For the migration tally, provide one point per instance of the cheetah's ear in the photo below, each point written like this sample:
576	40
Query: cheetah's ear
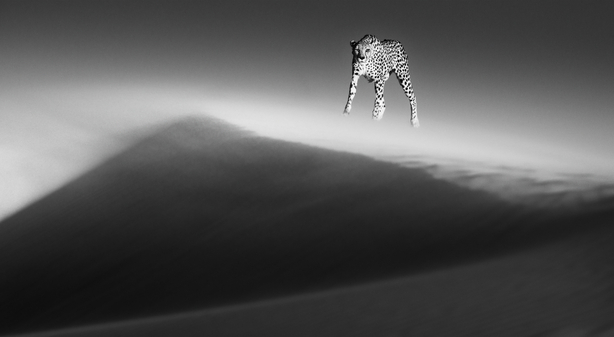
353	43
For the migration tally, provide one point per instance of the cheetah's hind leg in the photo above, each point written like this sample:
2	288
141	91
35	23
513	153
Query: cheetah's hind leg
408	89
380	104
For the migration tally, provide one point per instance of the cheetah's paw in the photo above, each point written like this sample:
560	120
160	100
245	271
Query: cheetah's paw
378	113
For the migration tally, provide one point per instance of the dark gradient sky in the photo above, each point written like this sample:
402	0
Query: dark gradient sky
525	83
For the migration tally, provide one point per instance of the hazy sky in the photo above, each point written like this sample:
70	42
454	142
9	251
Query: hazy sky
526	83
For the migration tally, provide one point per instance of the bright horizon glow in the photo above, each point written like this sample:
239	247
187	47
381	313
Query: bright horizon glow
358	133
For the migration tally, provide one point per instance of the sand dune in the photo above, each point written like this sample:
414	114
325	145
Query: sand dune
556	290
247	235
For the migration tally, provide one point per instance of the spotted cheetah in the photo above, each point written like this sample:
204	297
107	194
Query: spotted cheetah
376	60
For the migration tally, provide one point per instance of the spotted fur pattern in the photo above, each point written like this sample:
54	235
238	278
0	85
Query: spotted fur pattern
376	60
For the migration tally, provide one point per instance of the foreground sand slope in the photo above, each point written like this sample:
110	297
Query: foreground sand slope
201	215
562	289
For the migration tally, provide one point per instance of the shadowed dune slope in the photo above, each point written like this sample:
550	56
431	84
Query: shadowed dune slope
201	214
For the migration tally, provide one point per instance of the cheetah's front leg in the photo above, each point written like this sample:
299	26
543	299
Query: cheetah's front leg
380	105
353	85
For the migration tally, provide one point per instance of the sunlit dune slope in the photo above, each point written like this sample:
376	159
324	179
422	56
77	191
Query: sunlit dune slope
201	214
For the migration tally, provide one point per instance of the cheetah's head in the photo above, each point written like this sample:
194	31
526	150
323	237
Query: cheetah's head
364	48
